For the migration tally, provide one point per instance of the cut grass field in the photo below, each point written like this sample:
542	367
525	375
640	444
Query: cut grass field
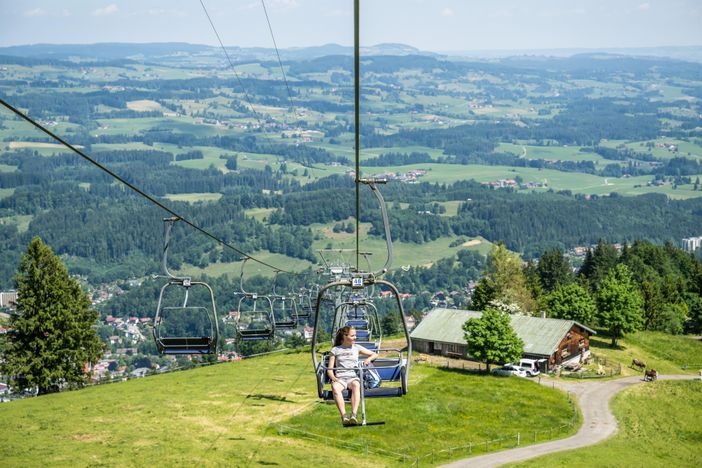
194	197
233	269
659	426
230	415
404	253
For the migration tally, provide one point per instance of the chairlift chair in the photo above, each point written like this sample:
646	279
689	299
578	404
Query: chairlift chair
255	320
285	312
184	328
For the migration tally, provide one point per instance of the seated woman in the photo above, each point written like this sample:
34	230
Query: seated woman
344	357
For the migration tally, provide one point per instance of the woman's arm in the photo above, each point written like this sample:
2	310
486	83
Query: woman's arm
330	371
367	352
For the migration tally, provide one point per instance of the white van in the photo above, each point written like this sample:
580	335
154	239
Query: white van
532	366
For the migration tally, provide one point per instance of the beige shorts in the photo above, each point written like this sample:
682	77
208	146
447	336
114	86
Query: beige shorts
345	381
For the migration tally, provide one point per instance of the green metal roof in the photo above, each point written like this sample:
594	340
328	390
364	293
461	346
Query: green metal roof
541	336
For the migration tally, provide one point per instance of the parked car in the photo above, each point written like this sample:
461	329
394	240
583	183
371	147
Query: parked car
509	369
532	366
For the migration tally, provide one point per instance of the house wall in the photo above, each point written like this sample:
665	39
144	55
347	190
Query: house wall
439	348
575	343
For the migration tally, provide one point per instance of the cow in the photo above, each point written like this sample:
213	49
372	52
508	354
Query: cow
650	375
640	364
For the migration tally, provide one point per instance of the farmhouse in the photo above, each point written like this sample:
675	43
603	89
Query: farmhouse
558	341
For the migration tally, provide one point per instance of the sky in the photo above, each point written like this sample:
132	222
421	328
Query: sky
432	25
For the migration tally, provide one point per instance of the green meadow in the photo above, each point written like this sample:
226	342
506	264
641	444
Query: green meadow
265	411
648	434
668	354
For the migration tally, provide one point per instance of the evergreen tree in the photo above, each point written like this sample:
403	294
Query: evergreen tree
554	270
571	302
619	303
491	338
598	263
51	339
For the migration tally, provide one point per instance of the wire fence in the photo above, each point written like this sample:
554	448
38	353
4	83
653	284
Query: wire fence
605	368
436	455
500	443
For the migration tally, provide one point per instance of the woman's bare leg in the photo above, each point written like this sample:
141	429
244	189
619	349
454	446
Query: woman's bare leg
337	391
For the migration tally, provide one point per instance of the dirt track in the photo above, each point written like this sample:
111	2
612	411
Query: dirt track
598	421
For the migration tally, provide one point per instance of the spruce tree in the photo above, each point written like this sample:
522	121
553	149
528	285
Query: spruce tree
51	339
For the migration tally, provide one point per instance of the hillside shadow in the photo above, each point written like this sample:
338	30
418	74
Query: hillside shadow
263	396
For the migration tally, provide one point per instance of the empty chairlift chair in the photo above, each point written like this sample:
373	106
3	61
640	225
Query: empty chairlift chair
179	326
255	320
285	312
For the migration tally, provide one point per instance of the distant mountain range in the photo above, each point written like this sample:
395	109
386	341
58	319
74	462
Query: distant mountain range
161	51
149	51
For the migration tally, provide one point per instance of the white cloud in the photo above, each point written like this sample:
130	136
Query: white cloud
164	12
447	12
36	12
110	9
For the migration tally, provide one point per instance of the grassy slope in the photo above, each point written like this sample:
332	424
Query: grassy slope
665	353
648	435
221	415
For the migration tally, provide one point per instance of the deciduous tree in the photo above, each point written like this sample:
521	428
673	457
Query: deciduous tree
504	281
571	302
619	303
491	338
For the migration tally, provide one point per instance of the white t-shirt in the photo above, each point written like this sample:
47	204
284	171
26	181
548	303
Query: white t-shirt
346	357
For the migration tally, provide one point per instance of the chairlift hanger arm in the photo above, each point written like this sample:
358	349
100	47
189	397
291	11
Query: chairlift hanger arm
167	227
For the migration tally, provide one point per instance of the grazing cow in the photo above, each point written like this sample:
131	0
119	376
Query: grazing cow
650	375
640	364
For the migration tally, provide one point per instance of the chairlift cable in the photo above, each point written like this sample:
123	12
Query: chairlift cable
280	62
231	64
135	188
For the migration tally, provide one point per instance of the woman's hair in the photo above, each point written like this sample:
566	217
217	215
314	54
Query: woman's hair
339	338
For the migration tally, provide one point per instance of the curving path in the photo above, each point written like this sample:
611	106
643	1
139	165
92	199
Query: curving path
598	421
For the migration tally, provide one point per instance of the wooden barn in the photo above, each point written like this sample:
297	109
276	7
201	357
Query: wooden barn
558	341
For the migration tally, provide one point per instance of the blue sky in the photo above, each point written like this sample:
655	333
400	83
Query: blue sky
438	25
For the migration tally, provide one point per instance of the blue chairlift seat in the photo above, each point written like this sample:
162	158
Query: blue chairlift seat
362	324
369	345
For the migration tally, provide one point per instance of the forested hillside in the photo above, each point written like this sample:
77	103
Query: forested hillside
542	153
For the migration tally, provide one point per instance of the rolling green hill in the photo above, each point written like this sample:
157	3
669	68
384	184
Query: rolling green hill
264	411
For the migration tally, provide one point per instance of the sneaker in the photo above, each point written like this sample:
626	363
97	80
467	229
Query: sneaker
345	421
353	420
